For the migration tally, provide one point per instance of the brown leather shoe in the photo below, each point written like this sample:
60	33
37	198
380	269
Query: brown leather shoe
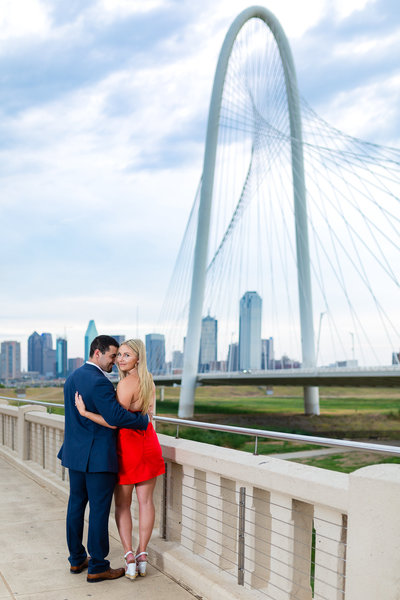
81	567
109	574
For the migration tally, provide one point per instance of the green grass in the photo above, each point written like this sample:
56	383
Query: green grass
233	400
349	462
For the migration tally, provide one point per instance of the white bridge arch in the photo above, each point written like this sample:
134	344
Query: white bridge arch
191	355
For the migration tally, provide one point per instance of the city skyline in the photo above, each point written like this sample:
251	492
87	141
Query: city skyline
104	114
51	363
256	352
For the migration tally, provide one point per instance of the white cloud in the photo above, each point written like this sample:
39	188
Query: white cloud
19	18
367	45
127	7
368	111
344	8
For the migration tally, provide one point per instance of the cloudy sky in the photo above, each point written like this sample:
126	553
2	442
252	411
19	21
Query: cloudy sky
103	109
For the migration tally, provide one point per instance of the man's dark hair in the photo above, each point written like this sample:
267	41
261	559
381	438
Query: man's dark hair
102	343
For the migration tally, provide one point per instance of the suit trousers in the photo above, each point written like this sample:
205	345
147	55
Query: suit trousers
97	489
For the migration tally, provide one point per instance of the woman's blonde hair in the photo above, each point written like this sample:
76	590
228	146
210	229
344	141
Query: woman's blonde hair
146	384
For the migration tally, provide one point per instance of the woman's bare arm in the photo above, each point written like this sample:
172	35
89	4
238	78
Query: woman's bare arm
96	418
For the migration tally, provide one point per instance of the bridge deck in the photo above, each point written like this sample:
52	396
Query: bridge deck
33	551
357	377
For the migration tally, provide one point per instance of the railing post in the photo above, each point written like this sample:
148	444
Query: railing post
164	504
43	446
241	532
373	549
23	429
256	446
302	521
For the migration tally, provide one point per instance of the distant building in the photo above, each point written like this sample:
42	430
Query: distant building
250	331
286	363
208	343
49	362
233	357
347	363
177	360
91	333
218	365
74	363
41	356
267	354
61	357
155	353
10	360
35	361
48	356
47	340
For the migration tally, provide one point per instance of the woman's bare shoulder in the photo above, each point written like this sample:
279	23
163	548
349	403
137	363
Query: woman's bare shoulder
130	382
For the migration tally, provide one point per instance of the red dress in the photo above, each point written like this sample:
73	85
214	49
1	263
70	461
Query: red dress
139	455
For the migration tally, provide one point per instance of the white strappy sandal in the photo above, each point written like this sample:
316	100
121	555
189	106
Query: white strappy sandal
130	568
141	565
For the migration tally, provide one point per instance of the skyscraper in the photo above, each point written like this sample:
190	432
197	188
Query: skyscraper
41	355
267	354
47	340
177	360
233	357
61	357
48	355
208	343
35	361
155	353
10	360
91	333
250	331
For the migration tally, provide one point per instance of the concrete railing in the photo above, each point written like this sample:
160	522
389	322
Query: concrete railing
234	525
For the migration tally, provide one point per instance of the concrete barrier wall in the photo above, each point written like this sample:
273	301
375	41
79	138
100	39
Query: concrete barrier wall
234	525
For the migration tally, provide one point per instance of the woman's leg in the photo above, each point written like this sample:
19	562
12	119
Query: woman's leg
123	517
144	492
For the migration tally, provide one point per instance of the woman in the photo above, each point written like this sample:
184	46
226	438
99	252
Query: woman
139	453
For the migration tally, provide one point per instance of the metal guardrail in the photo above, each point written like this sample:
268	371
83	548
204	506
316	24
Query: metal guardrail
27	401
256	433
291	437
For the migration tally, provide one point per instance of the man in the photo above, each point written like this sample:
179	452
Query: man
89	452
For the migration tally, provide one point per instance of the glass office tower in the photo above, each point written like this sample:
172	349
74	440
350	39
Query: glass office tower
250	331
91	333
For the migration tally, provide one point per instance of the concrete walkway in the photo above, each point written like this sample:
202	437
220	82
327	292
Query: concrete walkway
33	552
312	453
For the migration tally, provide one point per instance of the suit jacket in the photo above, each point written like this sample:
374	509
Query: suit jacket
88	446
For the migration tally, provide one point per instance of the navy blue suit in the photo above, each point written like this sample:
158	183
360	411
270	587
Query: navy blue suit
89	452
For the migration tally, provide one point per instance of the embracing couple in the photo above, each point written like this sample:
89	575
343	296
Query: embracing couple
110	447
